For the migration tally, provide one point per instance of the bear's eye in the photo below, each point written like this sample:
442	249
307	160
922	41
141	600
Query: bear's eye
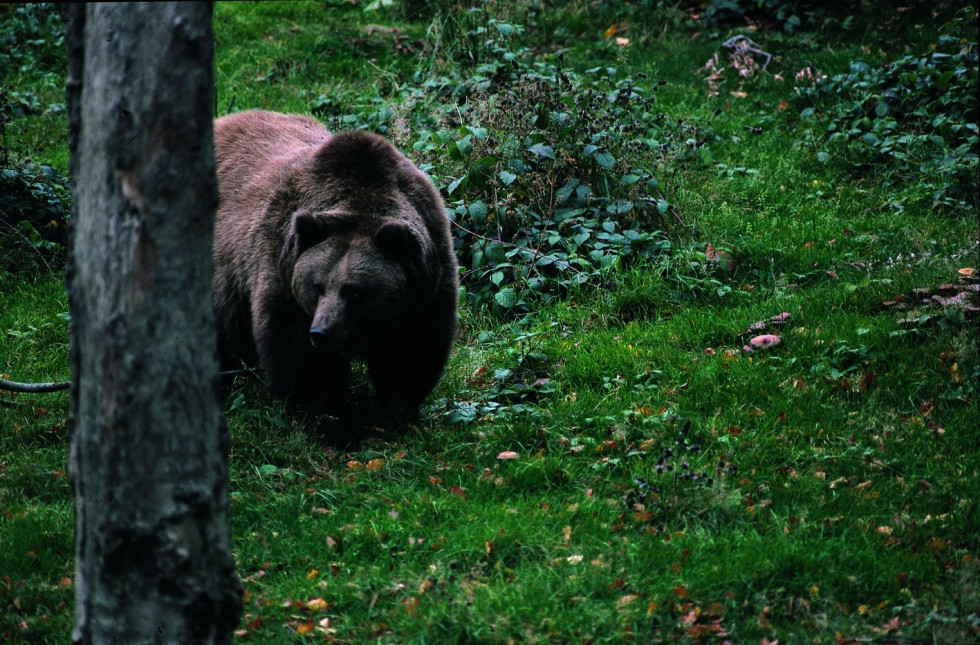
351	293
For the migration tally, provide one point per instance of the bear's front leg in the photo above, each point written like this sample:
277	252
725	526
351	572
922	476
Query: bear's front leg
405	372
305	377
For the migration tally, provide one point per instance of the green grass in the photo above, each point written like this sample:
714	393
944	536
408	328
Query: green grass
669	486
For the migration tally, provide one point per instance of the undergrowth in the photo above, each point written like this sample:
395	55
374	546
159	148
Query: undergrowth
912	122
717	368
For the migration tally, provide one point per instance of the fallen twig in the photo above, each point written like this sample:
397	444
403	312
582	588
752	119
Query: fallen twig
13	386
58	386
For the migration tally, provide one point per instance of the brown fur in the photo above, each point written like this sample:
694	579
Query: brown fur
338	234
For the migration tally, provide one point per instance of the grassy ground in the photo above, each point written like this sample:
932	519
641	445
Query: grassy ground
668	484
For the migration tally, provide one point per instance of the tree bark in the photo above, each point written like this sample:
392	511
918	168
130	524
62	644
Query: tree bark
149	443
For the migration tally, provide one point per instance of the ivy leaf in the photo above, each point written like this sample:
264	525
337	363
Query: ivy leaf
506	297
455	184
542	150
478	211
605	159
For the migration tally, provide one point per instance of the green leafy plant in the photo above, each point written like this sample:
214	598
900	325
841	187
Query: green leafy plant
511	389
36	199
556	178
912	121
31	36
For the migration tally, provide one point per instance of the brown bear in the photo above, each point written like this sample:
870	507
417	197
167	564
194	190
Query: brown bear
330	248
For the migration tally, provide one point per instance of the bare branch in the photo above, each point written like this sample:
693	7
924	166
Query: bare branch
13	386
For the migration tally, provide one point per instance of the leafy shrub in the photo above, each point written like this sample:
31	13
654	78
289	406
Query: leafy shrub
508	391
36	200
31	37
790	15
793	16
554	178
912	121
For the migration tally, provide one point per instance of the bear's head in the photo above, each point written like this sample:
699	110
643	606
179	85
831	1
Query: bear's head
353	285
357	253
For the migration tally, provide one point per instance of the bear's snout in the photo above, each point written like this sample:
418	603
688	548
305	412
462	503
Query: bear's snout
321	339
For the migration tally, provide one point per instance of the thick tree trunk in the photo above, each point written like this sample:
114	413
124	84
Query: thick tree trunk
149	443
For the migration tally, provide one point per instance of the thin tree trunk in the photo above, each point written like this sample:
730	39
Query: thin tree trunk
149	443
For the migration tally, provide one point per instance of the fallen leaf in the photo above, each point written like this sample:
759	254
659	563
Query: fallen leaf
702	631
507	454
574	559
324	626
375	464
316	604
411	605
627	599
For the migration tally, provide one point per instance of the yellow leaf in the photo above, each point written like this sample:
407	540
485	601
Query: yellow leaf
316	604
312	574
627	599
375	464
354	464
608	33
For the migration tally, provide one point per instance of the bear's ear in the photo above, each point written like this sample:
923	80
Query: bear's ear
398	240
305	230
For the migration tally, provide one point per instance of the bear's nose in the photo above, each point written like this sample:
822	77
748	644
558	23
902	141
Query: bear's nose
319	338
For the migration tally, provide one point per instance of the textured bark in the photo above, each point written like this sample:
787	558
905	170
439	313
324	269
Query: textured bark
149	443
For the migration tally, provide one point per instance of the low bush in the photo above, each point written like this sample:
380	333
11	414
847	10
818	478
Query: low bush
912	122
555	178
35	202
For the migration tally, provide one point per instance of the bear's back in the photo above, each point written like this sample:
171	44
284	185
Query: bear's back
256	145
